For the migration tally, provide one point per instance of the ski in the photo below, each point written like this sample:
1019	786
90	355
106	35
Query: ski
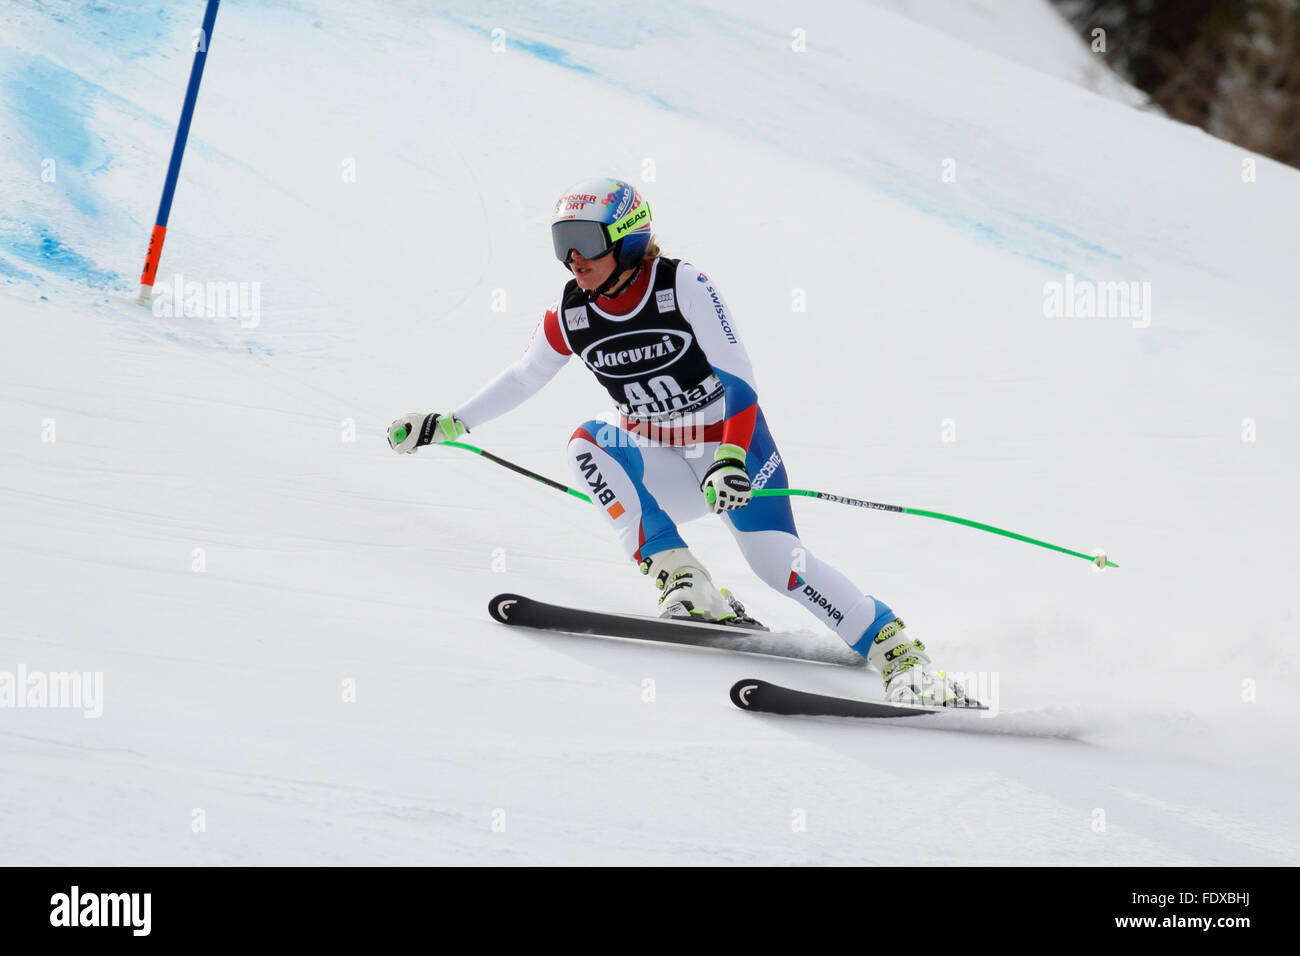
519	611
1063	722
762	697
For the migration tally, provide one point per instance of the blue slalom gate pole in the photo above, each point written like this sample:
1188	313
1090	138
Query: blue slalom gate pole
154	253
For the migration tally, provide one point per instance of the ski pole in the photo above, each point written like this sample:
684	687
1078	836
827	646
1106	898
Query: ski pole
1096	559
1100	560
154	253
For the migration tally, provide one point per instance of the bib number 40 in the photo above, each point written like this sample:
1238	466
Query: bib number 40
664	388
664	394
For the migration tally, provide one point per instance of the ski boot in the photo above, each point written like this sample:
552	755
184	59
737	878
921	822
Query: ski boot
687	590
906	668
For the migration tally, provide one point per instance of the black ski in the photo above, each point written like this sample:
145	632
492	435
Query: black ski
519	611
762	697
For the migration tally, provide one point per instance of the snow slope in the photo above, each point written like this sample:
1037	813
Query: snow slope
1030	32
331	568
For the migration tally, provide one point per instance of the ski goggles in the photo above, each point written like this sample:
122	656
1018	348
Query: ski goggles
591	240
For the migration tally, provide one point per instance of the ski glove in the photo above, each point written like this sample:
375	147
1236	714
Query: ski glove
416	429
726	483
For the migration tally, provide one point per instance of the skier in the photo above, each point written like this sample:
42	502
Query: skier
689	438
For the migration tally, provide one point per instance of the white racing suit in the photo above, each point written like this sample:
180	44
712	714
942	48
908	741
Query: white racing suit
668	351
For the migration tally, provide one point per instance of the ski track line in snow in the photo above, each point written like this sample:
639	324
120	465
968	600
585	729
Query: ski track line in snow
1274	840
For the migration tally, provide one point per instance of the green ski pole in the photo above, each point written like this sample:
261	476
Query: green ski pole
1100	560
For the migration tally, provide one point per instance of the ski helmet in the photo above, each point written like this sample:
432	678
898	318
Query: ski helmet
600	216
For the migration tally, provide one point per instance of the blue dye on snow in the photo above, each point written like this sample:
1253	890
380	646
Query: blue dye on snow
558	56
51	106
10	271
42	248
551	54
130	28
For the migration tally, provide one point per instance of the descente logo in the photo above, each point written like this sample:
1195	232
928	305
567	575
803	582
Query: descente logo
103	909
767	471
